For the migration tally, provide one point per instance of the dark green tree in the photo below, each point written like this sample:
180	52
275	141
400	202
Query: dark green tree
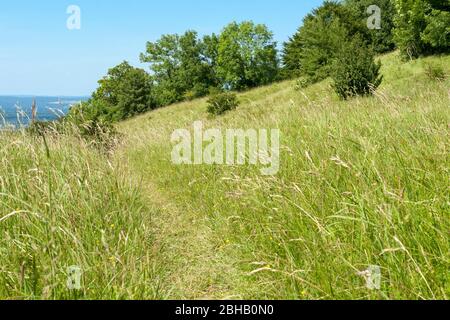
442	5
355	71
182	66
292	54
437	32
311	50
409	25
124	92
247	56
381	39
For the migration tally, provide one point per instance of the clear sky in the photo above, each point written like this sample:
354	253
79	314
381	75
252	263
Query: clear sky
39	55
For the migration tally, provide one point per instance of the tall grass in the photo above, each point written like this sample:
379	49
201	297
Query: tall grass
362	183
62	204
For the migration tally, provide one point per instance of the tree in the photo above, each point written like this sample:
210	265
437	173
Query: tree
210	52
311	50
420	29
247	56
182	66
381	39
292	53
437	31
124	92
442	5
355	71
410	23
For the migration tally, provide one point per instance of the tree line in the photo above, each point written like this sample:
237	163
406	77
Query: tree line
333	41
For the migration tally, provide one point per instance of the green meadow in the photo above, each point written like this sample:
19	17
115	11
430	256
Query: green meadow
362	182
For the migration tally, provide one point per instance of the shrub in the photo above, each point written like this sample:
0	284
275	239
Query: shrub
219	103
86	120
39	128
302	83
435	72
355	71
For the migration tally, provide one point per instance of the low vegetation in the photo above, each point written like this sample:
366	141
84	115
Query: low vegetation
62	204
363	180
355	71
220	103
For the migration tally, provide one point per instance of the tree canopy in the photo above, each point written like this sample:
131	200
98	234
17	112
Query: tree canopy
124	92
181	66
422	27
244	55
382	39
247	56
311	50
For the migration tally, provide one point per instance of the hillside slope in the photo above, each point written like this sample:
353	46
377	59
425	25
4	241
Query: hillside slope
362	182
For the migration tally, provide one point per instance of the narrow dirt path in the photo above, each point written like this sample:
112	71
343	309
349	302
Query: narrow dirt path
183	240
192	264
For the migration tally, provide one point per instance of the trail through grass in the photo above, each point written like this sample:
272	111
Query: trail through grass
362	182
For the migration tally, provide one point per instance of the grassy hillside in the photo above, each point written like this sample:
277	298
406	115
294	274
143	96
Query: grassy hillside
66	207
362	182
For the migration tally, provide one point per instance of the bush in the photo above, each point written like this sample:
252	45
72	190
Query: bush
302	83
39	128
86	121
355	71
435	72
219	103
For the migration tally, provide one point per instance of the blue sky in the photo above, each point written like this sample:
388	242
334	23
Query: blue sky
40	56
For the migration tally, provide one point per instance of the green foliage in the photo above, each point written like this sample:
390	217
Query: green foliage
437	32
220	103
247	56
185	67
355	71
382	39
291	57
443	5
435	72
89	120
420	29
124	92
182	66
410	23
312	49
